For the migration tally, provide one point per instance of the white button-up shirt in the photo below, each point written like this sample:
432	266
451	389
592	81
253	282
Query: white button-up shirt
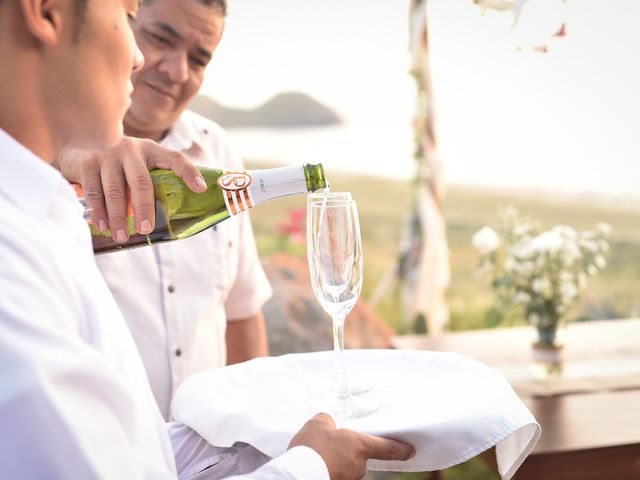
74	398
177	296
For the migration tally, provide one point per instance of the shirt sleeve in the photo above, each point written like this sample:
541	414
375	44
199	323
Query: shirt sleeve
299	463
196	459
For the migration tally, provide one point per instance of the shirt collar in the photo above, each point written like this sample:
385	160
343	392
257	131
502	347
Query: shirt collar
27	180
183	135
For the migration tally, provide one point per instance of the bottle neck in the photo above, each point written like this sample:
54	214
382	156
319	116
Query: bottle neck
273	183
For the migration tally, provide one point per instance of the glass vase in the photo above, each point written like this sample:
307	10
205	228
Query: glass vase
547	352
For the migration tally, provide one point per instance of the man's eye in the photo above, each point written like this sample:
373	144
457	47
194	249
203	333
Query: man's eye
196	61
159	38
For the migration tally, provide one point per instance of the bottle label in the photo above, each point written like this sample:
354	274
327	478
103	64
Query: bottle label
235	188
277	182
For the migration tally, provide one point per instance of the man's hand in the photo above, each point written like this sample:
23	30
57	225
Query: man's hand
345	452
106	177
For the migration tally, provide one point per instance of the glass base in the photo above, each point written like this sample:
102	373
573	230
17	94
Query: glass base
355	388
342	408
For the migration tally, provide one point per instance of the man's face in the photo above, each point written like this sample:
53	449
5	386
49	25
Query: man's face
91	70
177	39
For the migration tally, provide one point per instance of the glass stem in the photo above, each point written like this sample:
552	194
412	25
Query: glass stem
342	387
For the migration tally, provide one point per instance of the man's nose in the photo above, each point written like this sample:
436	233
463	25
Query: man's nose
176	66
138	58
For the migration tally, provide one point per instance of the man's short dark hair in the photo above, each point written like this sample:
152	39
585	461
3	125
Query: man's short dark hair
221	4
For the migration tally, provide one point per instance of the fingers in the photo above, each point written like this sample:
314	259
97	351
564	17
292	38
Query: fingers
91	183
115	194
140	186
107	176
159	157
83	167
325	420
380	448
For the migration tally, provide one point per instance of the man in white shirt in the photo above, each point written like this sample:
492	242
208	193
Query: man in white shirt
74	398
198	302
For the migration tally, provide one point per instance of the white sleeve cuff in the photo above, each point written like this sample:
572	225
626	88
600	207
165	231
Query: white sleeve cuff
299	463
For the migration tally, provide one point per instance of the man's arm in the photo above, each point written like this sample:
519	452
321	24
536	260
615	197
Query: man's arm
246	339
319	451
108	177
64	410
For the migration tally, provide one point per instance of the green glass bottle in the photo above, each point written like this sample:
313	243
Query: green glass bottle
181	213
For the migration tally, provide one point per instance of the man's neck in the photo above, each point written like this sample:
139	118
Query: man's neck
20	117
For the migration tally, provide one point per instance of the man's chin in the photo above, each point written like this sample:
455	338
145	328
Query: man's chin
146	128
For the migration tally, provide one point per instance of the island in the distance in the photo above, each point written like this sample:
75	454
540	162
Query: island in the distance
285	110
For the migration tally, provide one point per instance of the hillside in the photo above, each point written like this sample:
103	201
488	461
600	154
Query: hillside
285	110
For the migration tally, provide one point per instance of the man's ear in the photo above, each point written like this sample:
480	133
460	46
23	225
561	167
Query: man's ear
43	19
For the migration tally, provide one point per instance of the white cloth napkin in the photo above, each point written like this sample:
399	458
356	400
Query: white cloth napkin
449	406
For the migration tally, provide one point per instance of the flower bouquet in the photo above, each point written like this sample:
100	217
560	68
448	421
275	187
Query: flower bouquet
541	272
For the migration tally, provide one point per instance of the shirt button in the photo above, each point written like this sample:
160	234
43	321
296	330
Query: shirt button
171	289
178	352
230	244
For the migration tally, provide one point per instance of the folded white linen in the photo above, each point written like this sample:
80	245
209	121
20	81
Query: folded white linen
449	406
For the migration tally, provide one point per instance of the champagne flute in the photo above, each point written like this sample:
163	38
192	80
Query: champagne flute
334	252
357	387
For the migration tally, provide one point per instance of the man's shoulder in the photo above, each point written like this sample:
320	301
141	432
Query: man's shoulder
17	227
25	248
202	124
212	138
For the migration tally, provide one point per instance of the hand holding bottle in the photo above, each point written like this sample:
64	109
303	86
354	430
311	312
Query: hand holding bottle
181	213
110	177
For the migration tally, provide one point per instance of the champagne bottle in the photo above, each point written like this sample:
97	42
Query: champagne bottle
181	213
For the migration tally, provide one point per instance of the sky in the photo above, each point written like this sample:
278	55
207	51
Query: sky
350	54
567	119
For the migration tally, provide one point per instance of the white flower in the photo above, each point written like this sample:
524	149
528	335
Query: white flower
591	245
486	240
548	242
522	298
510	264
565	276
565	231
542	286
570	255
600	261
604	228
538	270
568	291
520	230
523	250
